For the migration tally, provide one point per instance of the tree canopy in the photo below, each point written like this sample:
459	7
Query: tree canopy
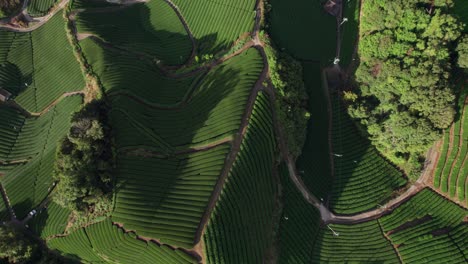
8	7
405	97
462	50
286	77
85	162
15	247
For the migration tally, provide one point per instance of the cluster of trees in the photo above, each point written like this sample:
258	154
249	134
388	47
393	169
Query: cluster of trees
8	7
85	160
18	247
291	104
405	97
462	50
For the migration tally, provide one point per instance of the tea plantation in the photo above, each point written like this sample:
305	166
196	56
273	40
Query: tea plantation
159	131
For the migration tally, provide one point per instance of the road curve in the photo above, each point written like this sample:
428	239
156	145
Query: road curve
39	21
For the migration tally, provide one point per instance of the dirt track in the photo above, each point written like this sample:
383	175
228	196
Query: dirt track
38	21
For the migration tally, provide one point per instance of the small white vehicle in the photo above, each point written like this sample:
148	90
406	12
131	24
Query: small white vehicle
32	213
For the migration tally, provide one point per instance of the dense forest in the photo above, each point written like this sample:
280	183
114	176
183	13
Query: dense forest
405	77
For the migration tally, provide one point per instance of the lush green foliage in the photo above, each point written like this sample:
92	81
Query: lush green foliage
15	247
34	146
217	24
428	227
303	29
303	240
405	98
314	163
362	178
152	28
165	197
240	227
85	161
462	50
40	7
286	77
104	243
36	70
300	224
50	221
451	173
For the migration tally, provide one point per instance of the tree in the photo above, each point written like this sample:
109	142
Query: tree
85	161
462	51
15	247
405	98
286	77
8	7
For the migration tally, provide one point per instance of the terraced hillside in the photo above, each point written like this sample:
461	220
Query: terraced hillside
363	179
152	28
289	19
428	227
149	84
35	70
29	163
217	24
104	242
51	221
201	172
299	226
240	226
451	174
165	198
40	7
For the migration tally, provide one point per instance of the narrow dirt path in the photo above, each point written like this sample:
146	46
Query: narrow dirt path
326	215
187	28
38	21
18	107
13	162
395	248
6	200
141	151
234	150
310	198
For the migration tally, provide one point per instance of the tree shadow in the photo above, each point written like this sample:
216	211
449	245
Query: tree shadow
208	115
317	174
38	222
132	28
22	208
13	80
